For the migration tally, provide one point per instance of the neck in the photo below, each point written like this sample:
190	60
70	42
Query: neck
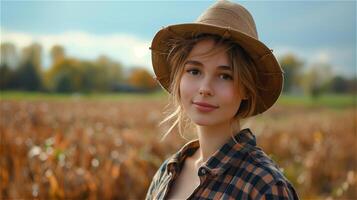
211	139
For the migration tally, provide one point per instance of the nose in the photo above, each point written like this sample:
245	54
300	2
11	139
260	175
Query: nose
205	88
205	93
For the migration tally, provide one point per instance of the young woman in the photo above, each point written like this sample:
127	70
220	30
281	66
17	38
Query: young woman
217	73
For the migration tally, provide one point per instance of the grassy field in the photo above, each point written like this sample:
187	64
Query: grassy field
22	95
325	100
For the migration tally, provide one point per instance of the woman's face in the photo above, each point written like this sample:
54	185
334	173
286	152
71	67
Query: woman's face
207	89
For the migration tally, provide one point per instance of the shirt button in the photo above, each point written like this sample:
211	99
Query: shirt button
203	171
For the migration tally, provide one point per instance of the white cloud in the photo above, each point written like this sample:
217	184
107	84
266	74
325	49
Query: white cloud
322	57
127	49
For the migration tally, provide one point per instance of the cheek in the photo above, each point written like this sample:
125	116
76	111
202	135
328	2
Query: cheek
186	89
230	97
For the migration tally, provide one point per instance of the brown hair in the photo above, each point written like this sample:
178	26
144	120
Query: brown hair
244	75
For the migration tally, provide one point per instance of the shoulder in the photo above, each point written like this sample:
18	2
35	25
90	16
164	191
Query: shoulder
165	172
160	171
172	161
259	177
156	180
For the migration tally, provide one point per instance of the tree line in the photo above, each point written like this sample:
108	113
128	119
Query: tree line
315	79
24	71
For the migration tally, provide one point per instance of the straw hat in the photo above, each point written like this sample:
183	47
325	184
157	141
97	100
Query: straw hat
229	20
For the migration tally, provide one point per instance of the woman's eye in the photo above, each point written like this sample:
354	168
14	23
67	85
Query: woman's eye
193	71
226	77
196	72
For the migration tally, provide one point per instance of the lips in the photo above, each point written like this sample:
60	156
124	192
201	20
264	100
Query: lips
204	107
205	104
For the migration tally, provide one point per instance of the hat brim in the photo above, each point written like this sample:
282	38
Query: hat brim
269	71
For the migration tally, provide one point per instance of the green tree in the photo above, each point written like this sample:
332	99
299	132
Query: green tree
6	77
9	62
71	75
27	76
33	54
63	82
111	72
65	76
141	78
57	54
317	79
9	56
292	71
340	84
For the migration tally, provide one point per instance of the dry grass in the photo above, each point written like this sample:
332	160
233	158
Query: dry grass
110	150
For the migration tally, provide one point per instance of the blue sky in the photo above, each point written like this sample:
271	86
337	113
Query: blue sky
316	31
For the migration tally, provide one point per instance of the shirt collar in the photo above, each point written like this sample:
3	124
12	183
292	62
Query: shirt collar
229	154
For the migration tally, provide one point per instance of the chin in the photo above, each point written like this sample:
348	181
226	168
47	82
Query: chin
202	122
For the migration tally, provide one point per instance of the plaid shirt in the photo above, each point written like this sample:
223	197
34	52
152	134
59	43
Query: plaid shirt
236	171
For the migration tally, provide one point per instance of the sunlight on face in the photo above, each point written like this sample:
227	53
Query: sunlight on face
207	89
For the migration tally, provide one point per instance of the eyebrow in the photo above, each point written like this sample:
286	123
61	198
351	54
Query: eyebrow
194	62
